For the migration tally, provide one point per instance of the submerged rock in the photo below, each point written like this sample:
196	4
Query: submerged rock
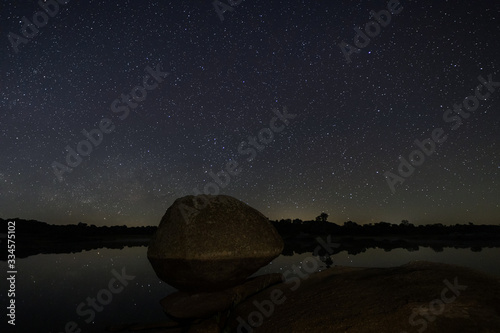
207	243
182	305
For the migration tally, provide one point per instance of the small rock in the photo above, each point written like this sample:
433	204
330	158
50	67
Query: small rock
181	305
253	286
210	325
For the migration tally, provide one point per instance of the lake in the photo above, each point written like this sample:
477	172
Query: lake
51	287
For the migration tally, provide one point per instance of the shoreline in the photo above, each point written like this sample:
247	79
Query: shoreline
29	244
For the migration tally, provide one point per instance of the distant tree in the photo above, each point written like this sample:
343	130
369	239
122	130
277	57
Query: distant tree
350	224
82	225
405	223
322	217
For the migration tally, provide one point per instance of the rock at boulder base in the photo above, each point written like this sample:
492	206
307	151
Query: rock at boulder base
182	305
206	243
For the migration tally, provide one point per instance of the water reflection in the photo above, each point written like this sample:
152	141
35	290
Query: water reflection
51	286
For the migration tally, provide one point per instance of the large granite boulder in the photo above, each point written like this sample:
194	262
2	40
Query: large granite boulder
207	243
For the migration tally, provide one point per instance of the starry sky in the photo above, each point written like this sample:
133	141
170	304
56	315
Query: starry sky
348	121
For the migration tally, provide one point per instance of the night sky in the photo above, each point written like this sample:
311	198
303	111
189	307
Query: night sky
348	122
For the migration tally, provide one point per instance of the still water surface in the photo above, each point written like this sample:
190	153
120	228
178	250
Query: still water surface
50	287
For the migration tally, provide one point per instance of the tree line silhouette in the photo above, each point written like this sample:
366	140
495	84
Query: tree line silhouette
286	227
34	227
320	226
33	237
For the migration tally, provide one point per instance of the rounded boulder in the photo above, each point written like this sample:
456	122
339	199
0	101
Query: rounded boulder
207	243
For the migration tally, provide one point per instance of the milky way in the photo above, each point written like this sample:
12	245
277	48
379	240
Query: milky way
170	100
